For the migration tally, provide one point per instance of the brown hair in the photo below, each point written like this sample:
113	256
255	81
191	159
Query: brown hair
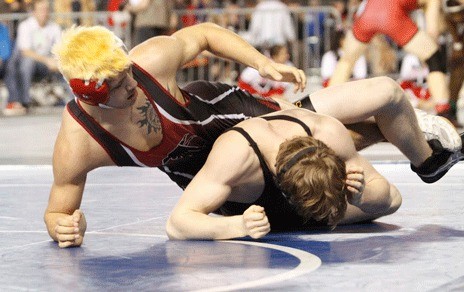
315	182
275	50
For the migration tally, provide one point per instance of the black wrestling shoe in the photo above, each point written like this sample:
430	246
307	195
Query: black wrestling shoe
438	164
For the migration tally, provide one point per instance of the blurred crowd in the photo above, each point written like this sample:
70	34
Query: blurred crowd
308	33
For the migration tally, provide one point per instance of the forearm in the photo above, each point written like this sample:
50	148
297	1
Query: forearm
355	214
225	43
201	226
376	197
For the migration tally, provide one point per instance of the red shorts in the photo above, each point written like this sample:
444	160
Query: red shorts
391	19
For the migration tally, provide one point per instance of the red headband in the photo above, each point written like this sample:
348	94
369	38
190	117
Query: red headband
91	92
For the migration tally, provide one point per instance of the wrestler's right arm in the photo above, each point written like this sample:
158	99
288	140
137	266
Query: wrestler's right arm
72	160
228	166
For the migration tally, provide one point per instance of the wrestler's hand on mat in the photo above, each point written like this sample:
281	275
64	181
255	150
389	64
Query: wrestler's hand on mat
355	184
255	222
70	229
285	73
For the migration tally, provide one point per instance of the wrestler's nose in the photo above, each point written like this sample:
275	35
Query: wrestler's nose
131	85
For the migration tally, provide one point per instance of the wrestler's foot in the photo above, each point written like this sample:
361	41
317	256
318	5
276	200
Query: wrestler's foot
438	164
439	128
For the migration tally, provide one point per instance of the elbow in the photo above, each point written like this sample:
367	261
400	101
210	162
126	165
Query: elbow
173	231
395	200
389	200
378	198
209	25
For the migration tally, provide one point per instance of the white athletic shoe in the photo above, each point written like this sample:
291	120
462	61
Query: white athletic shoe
439	128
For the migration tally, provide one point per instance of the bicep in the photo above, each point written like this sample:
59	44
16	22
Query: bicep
213	184
70	168
205	194
163	56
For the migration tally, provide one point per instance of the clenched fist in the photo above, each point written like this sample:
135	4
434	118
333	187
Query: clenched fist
255	222
70	230
355	184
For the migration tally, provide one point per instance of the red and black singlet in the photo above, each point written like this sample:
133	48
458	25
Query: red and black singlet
189	130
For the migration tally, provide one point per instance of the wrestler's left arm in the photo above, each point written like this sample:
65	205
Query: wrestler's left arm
370	191
227	44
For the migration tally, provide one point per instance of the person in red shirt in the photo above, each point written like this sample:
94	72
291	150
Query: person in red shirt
392	19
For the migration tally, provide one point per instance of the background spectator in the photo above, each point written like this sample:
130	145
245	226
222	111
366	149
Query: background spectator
119	17
330	59
68	6
152	18
454	15
31	57
412	78
13	6
381	57
271	24
5	47
251	81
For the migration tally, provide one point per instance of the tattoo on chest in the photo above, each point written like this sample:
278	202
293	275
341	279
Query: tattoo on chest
149	118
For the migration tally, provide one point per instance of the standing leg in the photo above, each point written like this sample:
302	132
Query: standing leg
11	78
424	47
352	50
26	68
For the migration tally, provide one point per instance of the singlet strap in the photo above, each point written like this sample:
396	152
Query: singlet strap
291	119
113	148
268	177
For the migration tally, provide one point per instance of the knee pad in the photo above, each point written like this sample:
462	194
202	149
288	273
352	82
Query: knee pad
437	62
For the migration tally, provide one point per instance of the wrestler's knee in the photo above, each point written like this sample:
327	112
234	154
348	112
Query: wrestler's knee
388	90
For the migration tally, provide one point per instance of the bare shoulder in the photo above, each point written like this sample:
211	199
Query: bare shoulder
75	152
232	145
231	156
158	56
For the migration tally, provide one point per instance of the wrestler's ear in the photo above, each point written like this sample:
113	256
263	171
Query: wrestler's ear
91	92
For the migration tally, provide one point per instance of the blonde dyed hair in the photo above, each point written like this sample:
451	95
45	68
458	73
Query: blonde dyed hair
315	184
90	53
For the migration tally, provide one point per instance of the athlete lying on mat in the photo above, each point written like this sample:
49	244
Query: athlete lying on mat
130	111
292	170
